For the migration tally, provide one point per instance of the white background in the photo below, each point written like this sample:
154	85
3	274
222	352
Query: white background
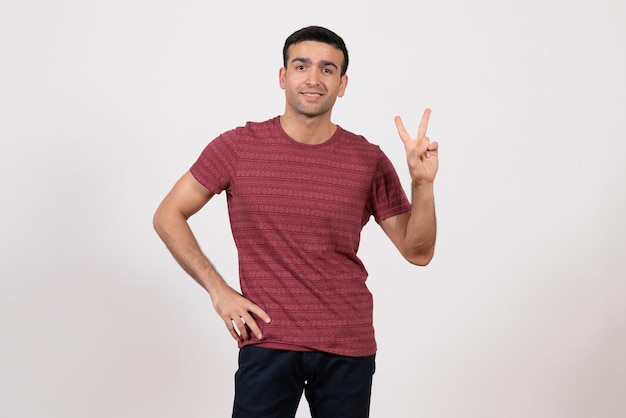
104	104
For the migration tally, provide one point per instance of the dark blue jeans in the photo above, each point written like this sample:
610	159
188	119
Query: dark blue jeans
269	383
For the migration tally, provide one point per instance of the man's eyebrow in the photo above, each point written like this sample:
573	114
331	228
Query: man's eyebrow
302	60
328	64
308	61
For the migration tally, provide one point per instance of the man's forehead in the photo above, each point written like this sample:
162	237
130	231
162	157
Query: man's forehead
314	51
314	46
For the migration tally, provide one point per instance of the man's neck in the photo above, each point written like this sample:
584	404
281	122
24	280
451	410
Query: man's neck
308	130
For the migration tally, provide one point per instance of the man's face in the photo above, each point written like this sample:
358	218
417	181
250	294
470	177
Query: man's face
312	79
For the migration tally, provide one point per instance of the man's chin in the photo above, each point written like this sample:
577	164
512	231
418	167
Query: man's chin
312	112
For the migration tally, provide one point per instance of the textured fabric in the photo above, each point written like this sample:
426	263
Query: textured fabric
296	214
269	383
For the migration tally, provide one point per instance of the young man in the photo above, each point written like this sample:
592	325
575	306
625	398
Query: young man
299	190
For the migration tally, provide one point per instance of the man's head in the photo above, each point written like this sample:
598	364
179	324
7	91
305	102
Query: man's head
317	34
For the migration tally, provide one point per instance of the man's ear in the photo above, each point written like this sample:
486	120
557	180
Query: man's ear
343	85
281	77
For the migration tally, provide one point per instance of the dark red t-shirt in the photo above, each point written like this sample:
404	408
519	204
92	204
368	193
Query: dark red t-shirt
296	214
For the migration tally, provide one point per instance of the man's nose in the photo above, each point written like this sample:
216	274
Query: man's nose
313	77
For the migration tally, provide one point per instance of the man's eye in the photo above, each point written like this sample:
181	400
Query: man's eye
327	71
300	67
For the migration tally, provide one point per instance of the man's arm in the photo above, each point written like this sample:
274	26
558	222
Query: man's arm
414	232
186	198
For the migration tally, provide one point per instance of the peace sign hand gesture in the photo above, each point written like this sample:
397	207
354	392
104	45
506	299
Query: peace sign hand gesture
422	156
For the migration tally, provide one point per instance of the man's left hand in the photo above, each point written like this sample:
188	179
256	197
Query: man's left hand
421	155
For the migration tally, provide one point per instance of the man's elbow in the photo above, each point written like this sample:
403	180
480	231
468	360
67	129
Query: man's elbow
157	221
422	258
160	221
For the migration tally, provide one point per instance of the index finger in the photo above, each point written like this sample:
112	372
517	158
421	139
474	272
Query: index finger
421	131
251	323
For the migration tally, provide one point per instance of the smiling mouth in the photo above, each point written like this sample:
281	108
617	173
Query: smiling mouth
311	94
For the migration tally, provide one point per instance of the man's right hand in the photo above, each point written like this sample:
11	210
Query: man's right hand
236	311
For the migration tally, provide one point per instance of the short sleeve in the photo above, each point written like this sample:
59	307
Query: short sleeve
388	197
215	167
